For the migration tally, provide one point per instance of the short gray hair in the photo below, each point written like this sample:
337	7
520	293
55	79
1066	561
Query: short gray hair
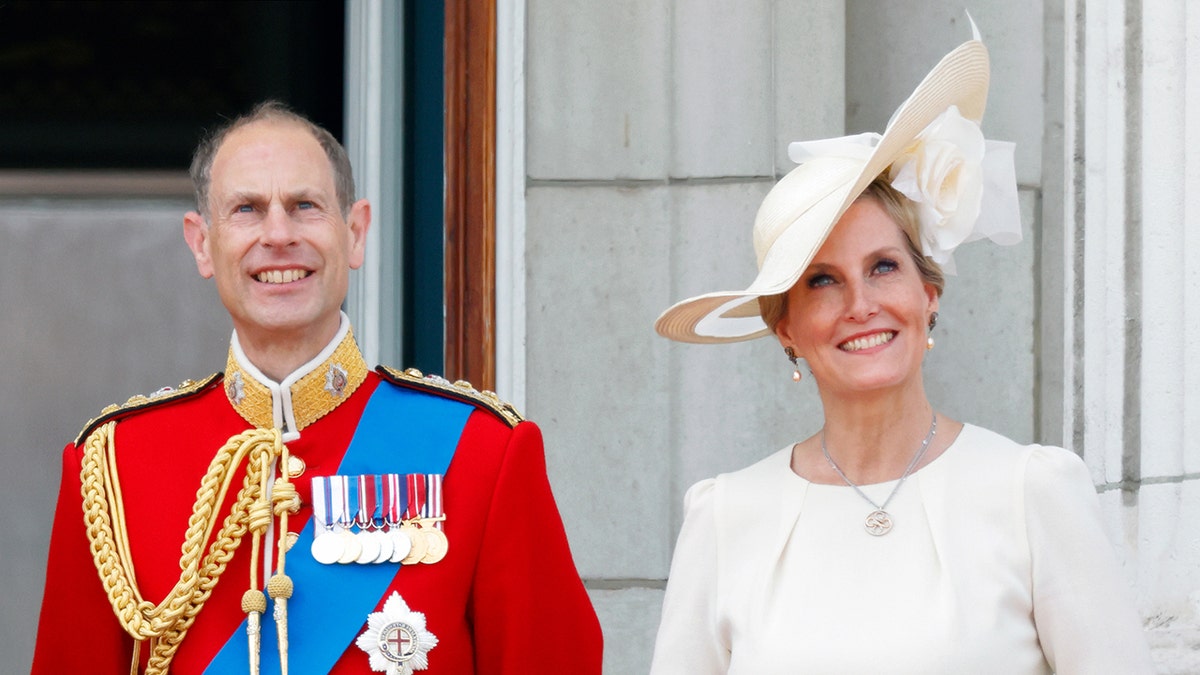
206	152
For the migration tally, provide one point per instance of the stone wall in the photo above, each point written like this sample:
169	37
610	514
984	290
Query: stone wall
101	301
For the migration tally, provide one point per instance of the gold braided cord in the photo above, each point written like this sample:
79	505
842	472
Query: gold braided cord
254	603
112	489
218	557
285	501
166	623
249	513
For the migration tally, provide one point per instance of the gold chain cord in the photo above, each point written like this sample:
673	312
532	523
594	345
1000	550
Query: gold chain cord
166	623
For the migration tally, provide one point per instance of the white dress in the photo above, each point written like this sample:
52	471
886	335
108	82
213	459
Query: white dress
997	563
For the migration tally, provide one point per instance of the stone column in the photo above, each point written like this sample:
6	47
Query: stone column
1130	395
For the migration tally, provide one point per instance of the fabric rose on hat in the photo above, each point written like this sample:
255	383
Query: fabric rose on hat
942	173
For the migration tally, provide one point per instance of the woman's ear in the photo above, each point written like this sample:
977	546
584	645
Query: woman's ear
783	332
785	339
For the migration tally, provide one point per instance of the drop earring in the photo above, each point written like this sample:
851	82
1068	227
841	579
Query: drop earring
791	354
932	322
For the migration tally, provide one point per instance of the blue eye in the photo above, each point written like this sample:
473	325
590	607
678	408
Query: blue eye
245	208
305	205
819	280
886	265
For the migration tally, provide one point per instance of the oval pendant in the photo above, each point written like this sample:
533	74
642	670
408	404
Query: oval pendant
878	523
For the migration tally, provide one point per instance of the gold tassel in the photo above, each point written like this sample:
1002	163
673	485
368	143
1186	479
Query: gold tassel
286	500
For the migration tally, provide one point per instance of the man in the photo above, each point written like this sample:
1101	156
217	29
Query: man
302	513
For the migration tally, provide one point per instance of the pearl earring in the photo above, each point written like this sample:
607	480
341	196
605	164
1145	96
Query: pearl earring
791	354
932	322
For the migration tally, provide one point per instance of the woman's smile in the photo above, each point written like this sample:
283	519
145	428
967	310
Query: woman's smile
858	344
862	296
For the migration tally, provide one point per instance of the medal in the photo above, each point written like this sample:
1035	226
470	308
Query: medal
385	546
377	522
396	639
369	519
326	545
364	519
395	497
351	547
417	542
368	548
437	544
416	501
327	548
401	544
345	510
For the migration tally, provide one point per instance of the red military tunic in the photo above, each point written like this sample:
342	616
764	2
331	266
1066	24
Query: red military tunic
505	599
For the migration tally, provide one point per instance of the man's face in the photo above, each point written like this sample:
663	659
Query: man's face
275	239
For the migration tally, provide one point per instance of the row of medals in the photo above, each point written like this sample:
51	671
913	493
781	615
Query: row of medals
411	542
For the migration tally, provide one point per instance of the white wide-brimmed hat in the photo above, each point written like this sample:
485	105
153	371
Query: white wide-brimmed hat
801	209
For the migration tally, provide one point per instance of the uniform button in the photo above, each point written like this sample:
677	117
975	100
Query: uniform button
295	466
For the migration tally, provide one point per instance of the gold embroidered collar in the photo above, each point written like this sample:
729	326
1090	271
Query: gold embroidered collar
303	397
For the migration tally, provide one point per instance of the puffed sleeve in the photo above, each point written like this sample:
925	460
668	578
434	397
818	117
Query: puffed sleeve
1085	618
689	639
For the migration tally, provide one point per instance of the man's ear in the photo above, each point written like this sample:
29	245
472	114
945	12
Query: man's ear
195	233
358	223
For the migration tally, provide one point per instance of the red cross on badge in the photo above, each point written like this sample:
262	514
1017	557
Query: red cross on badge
397	642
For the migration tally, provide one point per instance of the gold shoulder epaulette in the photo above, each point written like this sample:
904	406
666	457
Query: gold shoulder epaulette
461	390
139	402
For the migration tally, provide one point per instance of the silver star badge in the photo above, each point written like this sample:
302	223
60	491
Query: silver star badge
396	639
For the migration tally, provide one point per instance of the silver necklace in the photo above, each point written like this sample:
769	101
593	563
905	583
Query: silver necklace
879	522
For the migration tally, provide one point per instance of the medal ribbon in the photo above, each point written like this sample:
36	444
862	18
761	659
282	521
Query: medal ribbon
401	431
433	498
395	493
377	510
368	502
322	508
415	508
346	502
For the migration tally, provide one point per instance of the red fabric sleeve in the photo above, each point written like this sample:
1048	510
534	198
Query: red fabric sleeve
530	611
69	638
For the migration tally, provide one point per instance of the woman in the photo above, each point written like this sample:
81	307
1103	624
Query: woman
895	540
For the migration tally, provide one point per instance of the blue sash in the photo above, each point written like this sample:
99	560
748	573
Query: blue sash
401	431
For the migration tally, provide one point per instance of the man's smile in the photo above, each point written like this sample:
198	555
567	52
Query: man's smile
281	276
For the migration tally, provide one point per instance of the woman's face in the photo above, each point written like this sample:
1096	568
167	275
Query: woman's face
859	313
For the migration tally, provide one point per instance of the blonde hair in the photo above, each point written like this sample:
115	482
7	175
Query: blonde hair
903	212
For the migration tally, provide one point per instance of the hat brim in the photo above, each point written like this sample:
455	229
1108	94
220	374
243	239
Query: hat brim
959	79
